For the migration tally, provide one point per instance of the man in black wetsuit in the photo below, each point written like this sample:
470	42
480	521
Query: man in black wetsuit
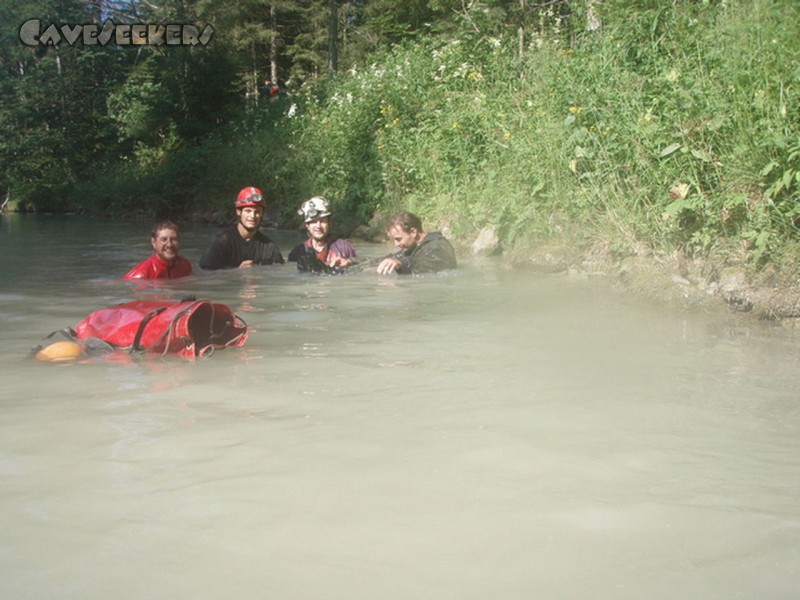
420	251
242	245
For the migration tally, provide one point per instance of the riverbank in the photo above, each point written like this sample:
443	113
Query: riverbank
678	280
720	279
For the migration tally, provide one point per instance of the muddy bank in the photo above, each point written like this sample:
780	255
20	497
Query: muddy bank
721	279
678	280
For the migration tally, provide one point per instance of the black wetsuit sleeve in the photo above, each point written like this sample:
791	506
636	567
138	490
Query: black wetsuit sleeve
216	256
296	252
275	256
266	252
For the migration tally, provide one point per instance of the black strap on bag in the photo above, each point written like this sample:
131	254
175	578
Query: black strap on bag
67	332
136	346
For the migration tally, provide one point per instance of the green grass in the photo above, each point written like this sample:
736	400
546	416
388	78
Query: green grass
675	125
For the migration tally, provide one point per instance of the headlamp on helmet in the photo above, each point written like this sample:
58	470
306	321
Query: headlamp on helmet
250	196
315	208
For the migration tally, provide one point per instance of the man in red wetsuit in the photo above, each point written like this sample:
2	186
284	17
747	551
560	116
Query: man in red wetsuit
164	262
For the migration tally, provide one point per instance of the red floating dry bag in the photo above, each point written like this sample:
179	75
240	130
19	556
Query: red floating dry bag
189	328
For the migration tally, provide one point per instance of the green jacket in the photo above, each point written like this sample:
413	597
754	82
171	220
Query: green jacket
434	253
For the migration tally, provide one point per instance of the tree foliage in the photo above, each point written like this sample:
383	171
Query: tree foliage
69	110
676	121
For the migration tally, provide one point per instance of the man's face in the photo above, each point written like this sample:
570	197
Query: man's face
166	244
250	217
319	228
406	240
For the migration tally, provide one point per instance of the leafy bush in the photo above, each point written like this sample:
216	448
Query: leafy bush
675	124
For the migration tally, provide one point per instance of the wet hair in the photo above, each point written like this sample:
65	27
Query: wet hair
164	225
405	221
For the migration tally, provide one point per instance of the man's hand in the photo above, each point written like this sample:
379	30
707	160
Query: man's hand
388	265
338	261
246	264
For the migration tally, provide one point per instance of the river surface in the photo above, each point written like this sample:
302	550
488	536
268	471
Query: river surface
485	433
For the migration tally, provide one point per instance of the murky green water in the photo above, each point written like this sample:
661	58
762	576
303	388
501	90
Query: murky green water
483	434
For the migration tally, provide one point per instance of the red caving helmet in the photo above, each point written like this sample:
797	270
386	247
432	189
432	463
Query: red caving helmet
250	196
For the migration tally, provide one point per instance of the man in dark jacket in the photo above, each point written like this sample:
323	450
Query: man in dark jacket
420	251
242	245
322	252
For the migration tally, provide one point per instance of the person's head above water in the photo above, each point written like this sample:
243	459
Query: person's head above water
405	221
419	251
166	240
250	207
314	208
316	213
250	196
405	230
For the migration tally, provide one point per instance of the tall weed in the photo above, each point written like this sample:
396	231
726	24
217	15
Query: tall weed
674	124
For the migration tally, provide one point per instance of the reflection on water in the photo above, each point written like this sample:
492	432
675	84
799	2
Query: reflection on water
485	433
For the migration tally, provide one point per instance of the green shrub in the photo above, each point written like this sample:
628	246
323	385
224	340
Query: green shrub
675	124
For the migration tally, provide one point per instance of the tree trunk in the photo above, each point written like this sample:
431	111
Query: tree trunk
273	45
333	34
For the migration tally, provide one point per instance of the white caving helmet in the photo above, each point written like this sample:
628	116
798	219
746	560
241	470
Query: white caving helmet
315	208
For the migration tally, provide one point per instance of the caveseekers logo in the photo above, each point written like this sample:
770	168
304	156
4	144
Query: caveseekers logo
31	34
